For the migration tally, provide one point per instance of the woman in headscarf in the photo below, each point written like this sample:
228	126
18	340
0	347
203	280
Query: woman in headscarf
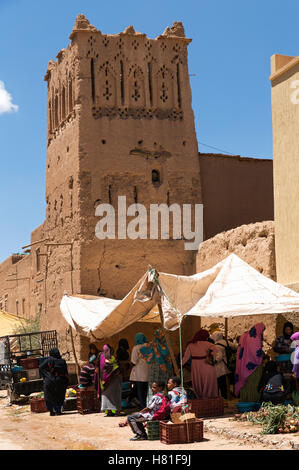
157	355
110	382
202	354
140	371
249	363
54	372
93	350
123	359
283	347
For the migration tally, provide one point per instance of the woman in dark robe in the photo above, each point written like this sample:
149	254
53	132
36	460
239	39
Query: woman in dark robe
272	386
54	372
123	359
283	347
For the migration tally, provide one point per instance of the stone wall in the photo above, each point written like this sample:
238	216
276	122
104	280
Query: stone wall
254	244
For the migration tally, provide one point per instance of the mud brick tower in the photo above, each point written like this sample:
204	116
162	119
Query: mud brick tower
120	123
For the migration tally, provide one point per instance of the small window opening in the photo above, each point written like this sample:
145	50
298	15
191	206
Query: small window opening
38	260
156	177
135	195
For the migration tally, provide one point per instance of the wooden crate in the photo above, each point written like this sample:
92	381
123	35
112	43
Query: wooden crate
20	374
87	402
183	433
70	404
32	374
38	405
207	407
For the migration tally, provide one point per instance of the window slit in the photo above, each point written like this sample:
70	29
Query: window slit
92	80
135	195
149	69
179	85
122	85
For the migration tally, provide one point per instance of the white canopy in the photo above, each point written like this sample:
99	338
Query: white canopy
230	288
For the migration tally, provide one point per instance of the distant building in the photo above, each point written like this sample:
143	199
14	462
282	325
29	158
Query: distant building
285	115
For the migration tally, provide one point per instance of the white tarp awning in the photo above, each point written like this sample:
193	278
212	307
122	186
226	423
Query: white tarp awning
103	317
230	288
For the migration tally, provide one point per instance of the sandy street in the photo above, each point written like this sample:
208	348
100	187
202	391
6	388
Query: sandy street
21	429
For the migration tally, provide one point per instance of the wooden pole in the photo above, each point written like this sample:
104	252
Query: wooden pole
174	362
72	336
75	355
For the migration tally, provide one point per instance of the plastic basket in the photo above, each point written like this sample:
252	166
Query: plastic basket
153	430
126	386
243	407
38	405
288	402
183	433
207	407
283	358
87	402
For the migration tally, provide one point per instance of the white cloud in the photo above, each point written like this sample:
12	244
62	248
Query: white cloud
6	105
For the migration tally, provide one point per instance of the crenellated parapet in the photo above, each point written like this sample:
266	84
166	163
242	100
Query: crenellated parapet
130	75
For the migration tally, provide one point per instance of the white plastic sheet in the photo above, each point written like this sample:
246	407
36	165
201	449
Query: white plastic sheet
230	288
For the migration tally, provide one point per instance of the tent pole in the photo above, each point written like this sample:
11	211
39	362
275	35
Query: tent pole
174	363
74	353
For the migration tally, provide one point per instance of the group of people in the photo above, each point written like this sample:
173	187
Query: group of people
148	362
258	377
217	363
209	358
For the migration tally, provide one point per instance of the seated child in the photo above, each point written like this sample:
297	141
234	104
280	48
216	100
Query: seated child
157	402
177	395
272	385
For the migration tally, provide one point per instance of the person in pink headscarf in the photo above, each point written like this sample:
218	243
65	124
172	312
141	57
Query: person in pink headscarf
249	355
203	373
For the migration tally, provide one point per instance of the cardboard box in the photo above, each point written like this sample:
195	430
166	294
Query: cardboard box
32	374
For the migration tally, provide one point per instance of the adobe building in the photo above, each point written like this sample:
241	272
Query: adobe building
285	117
120	123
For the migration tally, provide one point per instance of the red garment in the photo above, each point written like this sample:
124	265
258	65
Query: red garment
201	335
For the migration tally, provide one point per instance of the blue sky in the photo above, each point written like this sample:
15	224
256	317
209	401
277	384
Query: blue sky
230	57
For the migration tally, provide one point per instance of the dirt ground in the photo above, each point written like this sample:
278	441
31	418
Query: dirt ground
20	429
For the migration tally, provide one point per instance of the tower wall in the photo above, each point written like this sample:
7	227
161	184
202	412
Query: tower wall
135	118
